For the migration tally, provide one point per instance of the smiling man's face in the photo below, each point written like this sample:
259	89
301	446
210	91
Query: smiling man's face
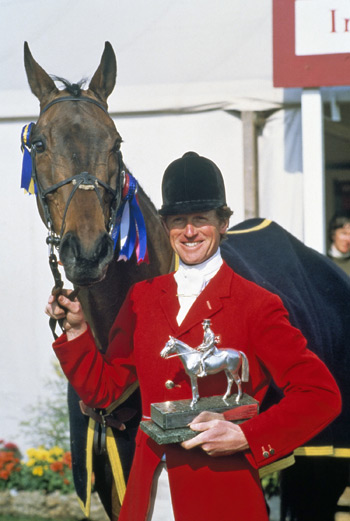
195	237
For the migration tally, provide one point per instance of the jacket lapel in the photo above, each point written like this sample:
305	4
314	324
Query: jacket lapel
169	302
209	301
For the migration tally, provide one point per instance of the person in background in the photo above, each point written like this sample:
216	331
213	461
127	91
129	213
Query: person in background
213	476
339	234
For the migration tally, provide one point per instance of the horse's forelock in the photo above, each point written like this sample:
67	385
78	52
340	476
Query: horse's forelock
75	89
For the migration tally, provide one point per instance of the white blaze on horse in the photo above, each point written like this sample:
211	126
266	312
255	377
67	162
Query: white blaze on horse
228	360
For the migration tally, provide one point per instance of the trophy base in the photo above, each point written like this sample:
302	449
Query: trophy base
169	420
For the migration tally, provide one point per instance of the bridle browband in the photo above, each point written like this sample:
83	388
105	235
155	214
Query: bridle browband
73	98
82	180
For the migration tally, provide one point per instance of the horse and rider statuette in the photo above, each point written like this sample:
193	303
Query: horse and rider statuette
207	359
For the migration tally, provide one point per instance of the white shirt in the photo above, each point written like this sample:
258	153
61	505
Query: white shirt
336	254
192	279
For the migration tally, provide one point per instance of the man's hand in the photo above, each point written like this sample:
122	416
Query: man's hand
72	313
218	437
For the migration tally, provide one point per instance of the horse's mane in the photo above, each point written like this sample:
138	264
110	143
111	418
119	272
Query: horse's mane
75	89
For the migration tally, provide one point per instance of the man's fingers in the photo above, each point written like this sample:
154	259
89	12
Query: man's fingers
206	416
72	306
68	292
217	437
203	426
202	440
53	310
193	442
64	301
57	307
62	307
203	435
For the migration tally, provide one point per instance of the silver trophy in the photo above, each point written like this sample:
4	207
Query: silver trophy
169	420
208	359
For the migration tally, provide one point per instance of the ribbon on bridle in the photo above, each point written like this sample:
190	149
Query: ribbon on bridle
27	180
127	222
130	225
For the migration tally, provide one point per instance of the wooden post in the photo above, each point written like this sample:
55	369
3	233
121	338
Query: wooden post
250	164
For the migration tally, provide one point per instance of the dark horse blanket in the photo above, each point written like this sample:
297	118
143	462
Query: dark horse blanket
316	294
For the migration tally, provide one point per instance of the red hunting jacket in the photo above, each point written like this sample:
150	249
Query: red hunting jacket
247	318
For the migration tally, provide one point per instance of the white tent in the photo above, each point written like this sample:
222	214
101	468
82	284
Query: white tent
187	71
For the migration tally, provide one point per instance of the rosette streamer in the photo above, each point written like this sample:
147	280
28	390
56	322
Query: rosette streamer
27	181
130	225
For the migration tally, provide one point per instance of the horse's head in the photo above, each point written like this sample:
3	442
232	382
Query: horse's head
168	348
77	166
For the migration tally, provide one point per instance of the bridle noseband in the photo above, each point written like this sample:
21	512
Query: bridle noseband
82	181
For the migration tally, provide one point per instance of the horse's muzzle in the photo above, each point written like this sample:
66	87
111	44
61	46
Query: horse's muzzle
84	265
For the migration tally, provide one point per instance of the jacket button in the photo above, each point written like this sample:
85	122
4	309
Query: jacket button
271	450
265	454
169	384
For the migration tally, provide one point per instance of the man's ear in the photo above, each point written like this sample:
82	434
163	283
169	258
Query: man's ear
224	226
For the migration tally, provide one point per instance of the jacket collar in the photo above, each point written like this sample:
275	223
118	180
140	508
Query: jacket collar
206	305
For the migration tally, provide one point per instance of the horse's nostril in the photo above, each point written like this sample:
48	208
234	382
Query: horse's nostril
105	248
85	264
69	248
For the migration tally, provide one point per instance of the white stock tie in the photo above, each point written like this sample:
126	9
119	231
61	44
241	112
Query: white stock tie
191	280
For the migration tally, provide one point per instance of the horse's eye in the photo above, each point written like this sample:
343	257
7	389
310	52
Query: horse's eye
39	146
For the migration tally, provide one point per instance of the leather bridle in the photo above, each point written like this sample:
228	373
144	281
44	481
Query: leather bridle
82	180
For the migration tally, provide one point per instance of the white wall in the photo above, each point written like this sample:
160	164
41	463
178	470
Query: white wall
25	284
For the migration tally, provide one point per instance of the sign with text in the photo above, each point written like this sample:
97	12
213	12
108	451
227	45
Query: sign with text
311	43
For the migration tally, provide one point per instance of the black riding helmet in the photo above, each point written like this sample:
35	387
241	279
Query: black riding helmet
192	184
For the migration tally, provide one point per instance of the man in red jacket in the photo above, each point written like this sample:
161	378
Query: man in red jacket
213	476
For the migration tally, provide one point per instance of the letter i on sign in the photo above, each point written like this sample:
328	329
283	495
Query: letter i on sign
333	30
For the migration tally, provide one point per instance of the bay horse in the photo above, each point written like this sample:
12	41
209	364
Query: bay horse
80	179
224	359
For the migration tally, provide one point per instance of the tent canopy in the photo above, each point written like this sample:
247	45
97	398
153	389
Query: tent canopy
171	55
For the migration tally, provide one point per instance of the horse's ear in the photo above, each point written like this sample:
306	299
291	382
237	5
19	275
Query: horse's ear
39	81
103	81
